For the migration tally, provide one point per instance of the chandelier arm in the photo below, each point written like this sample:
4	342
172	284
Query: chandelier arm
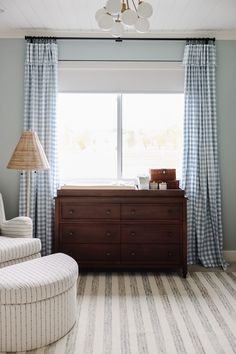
134	5
127	1
123	6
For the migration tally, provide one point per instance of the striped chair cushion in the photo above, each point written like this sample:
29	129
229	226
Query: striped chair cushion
38	279
17	248
20	226
19	260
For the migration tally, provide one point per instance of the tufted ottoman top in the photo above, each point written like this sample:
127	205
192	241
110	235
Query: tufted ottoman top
38	279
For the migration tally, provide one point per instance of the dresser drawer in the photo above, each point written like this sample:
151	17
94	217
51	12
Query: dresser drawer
150	253
90	233
91	211
151	211
150	233
95	252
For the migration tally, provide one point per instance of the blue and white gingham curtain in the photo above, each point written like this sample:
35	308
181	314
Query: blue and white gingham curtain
41	67
200	177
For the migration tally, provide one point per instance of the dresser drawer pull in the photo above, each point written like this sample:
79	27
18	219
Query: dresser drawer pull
108	254
170	211
133	234
170	254
108	234
71	233
133	211
108	212
71	211
132	253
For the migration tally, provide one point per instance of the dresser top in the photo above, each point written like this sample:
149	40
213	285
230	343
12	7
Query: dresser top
120	193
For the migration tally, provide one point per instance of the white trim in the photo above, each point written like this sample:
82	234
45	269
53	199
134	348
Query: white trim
219	35
230	256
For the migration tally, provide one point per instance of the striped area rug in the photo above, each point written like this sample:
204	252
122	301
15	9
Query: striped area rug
148	313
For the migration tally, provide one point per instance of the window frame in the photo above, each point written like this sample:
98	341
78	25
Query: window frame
70	73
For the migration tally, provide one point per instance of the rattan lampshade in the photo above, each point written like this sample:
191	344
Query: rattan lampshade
28	154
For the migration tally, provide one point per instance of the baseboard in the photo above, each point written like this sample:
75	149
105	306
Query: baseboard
230	256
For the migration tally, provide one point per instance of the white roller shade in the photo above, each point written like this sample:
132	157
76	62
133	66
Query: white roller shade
124	77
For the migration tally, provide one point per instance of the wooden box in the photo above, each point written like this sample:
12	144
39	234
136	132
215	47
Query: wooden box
173	184
162	175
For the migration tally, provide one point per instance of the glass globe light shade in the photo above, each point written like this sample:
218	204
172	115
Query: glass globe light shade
105	22
142	25
117	29
113	6
99	13
129	17
144	9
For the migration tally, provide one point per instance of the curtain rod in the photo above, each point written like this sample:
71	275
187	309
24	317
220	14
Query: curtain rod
119	39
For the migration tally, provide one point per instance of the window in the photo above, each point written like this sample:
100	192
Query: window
104	137
87	137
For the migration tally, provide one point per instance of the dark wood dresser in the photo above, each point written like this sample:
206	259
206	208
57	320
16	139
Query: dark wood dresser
122	229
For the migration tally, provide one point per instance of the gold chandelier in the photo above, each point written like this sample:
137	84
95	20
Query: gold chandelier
117	15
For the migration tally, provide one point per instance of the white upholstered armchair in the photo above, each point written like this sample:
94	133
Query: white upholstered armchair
16	242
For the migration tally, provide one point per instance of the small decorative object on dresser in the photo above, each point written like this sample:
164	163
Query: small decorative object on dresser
163	186
143	182
162	174
122	229
166	175
153	185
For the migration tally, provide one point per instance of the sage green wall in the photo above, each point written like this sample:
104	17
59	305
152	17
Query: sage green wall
126	50
11	116
11	107
226	100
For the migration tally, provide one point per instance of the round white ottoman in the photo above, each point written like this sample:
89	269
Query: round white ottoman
37	302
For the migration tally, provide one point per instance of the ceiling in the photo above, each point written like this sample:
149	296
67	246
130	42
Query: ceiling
49	17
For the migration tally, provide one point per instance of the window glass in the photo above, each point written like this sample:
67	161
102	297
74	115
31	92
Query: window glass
87	136
152	132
